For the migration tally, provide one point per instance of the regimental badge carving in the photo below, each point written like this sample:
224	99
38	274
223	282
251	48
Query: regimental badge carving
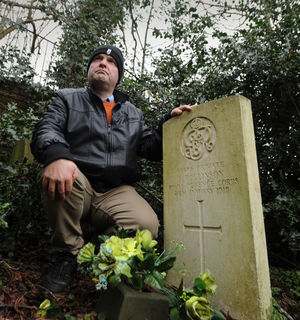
198	138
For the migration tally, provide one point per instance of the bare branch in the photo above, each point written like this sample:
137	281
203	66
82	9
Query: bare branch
24	6
133	22
5	32
144	49
45	37
123	38
33	38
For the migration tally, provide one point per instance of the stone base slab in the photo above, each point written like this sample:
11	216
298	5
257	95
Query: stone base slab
123	303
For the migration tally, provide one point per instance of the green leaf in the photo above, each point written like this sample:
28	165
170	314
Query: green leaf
199	287
137	282
123	268
71	297
54	311
174	298
155	280
102	238
180	288
101	316
217	315
114	280
174	314
122	233
148	263
166	265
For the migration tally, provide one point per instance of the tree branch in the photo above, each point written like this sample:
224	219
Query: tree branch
123	37
24	6
145	38
5	32
132	33
22	306
33	38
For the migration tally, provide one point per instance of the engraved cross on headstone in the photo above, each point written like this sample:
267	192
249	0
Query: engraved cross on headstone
195	223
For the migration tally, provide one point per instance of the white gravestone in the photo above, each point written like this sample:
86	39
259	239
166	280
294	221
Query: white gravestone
212	204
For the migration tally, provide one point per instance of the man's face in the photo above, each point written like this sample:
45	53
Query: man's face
104	70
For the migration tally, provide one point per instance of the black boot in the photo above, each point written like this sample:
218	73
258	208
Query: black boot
61	275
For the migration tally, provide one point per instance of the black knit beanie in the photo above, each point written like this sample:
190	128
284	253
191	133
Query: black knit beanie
113	52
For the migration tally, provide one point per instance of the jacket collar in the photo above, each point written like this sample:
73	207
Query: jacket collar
119	96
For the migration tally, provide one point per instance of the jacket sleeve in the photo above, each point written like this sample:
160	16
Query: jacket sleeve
151	142
48	140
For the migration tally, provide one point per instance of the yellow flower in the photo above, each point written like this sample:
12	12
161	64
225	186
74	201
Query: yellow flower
145	238
184	296
209	281
86	254
123	249
113	256
44	306
198	308
96	280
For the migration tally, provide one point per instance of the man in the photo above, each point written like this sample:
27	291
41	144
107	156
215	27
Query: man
88	141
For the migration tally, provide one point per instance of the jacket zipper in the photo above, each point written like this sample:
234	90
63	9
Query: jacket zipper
109	145
110	136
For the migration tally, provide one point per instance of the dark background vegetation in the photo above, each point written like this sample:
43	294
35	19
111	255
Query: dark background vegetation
260	61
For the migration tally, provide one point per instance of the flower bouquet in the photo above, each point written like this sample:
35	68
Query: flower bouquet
136	262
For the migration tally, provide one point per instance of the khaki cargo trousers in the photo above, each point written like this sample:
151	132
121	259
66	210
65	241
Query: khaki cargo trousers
119	207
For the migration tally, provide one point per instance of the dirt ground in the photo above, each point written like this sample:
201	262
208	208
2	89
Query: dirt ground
21	292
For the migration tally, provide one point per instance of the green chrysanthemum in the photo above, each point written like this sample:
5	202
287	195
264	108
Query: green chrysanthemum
198	308
209	281
113	257
86	254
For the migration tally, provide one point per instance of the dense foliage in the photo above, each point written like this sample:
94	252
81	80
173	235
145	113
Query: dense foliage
85	24
260	60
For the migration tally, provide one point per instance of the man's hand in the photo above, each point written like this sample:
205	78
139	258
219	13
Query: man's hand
59	176
178	111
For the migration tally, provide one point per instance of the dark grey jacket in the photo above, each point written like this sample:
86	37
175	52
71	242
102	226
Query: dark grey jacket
75	127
